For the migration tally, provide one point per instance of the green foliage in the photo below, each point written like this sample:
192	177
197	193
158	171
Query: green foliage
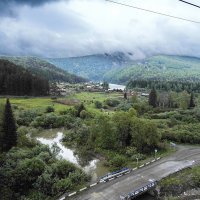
142	107
102	133
18	81
85	114
105	85
166	85
25	170
51	120
79	135
93	67
166	68
45	69
188	133
9	128
122	121
192	103
25	117
124	106
1	124
145	136
98	104
184	100
118	162
112	102
153	98
79	108
178	183
23	139
50	109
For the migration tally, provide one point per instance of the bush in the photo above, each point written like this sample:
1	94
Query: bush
112	102
62	185
52	120
85	114
124	106
98	104
37	172
50	109
26	117
23	140
118	162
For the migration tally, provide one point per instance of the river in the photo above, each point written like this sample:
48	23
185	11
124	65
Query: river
94	167
116	87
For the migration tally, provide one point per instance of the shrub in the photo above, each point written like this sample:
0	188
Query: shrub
98	104
118	162
23	140
50	109
26	117
85	114
112	102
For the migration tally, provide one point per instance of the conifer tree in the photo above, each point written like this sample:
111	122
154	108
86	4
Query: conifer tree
153	98
192	104
9	128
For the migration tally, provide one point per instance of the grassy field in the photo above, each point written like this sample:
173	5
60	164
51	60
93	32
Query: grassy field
96	96
88	98
35	103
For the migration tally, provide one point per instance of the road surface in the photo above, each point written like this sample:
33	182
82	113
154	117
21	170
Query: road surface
184	157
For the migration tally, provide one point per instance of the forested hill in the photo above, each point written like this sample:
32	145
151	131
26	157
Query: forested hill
45	69
15	80
93	67
166	68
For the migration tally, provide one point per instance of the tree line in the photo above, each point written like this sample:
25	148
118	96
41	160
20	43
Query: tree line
171	99
177	86
14	80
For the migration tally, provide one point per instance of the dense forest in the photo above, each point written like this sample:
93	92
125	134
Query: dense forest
15	80
93	67
176	86
166	68
45	69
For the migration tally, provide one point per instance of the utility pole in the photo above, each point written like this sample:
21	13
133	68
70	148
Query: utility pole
137	161
155	152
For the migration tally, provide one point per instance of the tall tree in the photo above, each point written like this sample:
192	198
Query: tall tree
153	98
1	121
192	104
125	95
9	128
105	85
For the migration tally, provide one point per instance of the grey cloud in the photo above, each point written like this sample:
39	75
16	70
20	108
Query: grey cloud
77	27
28	2
7	7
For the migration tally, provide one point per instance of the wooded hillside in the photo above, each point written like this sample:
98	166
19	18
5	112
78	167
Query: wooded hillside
15	80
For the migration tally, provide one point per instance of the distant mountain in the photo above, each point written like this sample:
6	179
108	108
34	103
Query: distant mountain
168	68
93	67
43	68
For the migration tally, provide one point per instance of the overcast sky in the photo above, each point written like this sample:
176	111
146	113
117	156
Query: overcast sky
63	28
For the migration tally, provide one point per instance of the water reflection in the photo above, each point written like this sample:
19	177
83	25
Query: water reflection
84	160
65	153
116	87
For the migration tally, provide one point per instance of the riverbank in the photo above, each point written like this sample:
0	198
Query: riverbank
182	185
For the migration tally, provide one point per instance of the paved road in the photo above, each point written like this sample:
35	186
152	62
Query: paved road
184	157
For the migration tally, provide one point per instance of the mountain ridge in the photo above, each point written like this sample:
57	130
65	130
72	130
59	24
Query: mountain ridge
92	66
41	67
120	68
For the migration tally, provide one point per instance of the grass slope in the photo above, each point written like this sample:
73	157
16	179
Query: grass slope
159	67
43	68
